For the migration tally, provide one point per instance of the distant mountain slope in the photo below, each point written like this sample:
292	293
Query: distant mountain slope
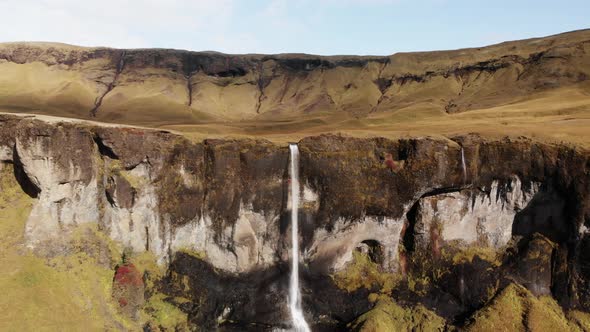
158	87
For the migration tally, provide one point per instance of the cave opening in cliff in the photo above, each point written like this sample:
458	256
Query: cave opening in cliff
22	178
103	149
373	249
408	236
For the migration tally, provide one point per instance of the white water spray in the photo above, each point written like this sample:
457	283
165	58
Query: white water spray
463	165
299	323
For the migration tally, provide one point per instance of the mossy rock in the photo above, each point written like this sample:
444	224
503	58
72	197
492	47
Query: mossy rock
467	254
389	316
71	290
163	315
362	272
517	309
65	292
580	319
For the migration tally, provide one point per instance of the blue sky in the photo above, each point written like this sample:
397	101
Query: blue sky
278	26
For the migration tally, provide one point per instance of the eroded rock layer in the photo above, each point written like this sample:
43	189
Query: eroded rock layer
453	222
156	87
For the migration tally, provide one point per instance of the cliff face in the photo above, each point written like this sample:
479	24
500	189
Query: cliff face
451	221
158	87
479	229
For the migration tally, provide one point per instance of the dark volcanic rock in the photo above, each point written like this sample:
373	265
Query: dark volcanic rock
453	238
258	301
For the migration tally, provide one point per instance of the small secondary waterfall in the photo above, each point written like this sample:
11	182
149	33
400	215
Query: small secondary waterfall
463	165
299	323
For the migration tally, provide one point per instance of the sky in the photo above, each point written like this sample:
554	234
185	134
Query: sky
327	27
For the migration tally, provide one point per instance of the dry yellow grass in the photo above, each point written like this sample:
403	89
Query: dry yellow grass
538	88
561	116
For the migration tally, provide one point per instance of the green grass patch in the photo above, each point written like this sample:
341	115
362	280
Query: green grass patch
72	291
362	272
389	316
467	254
67	293
516	309
166	316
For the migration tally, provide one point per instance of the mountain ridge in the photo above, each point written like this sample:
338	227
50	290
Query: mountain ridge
521	83
68	45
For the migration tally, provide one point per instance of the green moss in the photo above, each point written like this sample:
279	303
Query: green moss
147	264
163	314
362	272
68	292
389	316
86	238
195	253
380	318
580	319
116	167
467	254
134	181
504	313
419	284
546	315
516	309
112	165
425	270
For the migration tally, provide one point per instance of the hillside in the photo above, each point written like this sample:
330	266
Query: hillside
536	87
152	190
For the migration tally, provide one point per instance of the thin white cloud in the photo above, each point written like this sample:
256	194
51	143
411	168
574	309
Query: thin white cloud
118	23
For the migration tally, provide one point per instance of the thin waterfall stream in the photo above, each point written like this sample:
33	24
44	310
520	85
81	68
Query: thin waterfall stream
463	165
299	323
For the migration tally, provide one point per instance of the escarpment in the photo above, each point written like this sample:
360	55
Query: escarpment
443	227
167	87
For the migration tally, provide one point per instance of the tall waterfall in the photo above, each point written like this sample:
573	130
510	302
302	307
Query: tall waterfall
463	165
299	323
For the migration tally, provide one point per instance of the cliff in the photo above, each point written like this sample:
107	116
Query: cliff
215	212
440	191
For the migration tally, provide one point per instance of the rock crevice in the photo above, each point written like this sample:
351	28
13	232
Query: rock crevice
404	203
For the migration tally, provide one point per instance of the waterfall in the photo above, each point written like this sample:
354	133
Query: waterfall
463	165
299	323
